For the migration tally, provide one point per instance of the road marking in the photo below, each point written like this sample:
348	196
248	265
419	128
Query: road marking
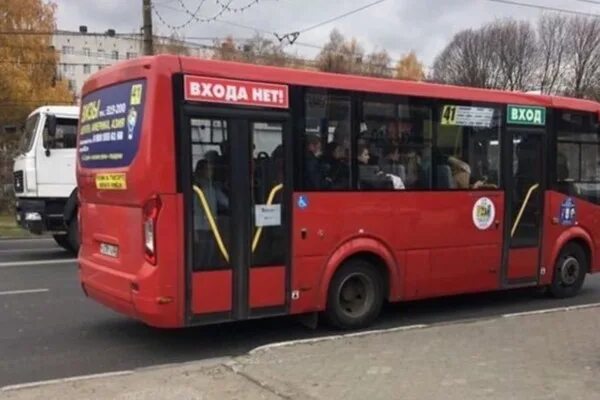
8	240
36	262
551	310
335	337
38	250
30	385
27	291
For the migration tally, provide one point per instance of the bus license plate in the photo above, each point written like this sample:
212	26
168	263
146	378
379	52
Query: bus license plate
109	250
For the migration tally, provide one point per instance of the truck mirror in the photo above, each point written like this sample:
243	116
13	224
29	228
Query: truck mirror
51	125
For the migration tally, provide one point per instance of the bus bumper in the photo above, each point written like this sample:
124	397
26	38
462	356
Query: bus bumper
120	292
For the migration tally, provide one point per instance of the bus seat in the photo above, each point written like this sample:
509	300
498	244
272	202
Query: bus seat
444	177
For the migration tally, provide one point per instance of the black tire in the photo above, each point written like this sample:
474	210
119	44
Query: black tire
63	241
569	272
355	295
73	235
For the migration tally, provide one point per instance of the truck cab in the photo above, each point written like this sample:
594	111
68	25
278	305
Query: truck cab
44	175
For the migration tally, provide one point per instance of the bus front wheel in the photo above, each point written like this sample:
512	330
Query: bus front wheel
569	271
355	295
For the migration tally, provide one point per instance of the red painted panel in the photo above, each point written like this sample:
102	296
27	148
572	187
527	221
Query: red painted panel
417	272
465	269
211	291
445	252
306	279
523	263
267	287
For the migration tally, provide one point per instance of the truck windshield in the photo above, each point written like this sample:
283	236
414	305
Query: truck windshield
29	133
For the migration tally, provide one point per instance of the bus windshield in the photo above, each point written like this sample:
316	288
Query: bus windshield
29	133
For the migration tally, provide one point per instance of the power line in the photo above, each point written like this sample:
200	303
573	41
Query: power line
193	17
344	15
545	8
590	1
237	9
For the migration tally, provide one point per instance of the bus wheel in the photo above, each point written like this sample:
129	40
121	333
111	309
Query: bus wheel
569	271
73	235
63	241
355	295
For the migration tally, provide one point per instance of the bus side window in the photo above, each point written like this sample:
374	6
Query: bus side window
326	142
468	157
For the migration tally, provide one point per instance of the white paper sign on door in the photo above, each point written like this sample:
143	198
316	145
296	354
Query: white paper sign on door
267	215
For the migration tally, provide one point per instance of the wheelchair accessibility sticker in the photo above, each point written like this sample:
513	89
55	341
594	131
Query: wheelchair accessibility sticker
302	201
568	212
484	213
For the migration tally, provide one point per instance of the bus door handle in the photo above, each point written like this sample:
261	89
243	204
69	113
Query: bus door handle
303	233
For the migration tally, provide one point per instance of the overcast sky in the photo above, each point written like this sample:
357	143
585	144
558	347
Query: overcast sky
399	26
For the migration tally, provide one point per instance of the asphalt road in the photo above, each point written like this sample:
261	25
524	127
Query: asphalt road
48	329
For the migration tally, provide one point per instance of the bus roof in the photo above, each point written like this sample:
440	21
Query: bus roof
59	111
233	70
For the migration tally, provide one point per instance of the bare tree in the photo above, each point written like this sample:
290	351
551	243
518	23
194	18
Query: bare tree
341	55
553	52
378	64
468	60
584	45
257	50
514	45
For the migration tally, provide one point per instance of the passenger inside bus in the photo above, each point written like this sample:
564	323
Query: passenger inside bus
218	204
338	170
314	176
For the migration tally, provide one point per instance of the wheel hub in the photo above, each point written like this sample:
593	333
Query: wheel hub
354	295
569	271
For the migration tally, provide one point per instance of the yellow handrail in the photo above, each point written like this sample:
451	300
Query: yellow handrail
529	193
274	191
211	222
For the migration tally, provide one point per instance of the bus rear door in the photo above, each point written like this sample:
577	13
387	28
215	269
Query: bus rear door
237	217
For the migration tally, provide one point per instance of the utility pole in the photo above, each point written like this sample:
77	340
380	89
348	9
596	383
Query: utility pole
147	28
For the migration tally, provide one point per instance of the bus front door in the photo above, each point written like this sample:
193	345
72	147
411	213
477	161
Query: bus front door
524	174
238	237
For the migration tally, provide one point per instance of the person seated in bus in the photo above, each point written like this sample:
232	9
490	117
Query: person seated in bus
338	171
314	177
372	177
461	173
341	135
390	162
217	203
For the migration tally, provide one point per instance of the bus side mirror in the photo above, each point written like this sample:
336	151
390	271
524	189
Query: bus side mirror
51	125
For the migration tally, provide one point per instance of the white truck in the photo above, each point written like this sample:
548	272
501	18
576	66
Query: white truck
44	175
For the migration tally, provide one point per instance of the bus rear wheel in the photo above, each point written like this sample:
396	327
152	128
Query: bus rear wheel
355	295
569	271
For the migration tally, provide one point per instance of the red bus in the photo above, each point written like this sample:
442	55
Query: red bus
215	191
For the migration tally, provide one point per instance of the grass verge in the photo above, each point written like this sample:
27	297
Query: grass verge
10	229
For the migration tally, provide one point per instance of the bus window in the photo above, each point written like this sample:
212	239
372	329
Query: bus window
467	149
211	192
268	236
327	150
578	155
397	137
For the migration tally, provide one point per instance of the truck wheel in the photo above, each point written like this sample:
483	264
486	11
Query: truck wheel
73	235
569	272
63	241
355	295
